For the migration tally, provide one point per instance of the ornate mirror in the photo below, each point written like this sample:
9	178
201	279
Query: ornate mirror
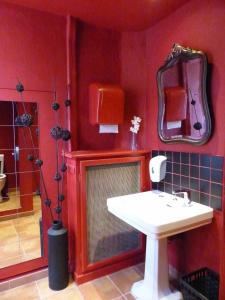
183	114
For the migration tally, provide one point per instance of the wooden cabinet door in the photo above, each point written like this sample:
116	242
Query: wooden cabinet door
105	238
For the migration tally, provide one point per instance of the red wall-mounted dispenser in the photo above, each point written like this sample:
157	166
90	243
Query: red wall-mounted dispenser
106	104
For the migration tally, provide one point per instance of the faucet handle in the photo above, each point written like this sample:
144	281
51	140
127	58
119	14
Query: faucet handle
186	195
180	191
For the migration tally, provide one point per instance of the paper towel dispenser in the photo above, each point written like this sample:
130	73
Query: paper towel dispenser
106	104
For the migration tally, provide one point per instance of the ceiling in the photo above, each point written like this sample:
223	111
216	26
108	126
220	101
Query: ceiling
114	14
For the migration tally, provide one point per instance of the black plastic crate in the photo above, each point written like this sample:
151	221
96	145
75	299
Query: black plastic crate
202	284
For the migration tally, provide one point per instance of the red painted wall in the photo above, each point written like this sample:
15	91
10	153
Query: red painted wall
98	60
200	25
143	53
33	49
134	81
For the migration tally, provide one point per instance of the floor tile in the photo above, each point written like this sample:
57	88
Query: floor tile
71	294
12	261
11	250
28	231
125	278
99	289
45	291
8	235
140	268
23	220
12	203
24	292
31	246
129	297
5	223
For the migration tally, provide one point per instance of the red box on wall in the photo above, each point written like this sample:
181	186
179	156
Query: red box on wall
106	104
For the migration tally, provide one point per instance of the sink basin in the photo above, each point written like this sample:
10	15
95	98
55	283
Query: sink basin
158	215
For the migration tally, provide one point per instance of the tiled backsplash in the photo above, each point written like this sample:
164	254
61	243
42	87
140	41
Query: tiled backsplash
201	174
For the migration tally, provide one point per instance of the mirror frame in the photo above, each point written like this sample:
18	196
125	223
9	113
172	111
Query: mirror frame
177	53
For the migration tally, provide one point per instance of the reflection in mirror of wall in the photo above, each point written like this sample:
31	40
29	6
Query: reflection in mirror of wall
183	114
20	203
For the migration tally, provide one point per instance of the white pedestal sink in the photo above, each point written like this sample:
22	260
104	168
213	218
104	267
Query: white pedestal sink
158	215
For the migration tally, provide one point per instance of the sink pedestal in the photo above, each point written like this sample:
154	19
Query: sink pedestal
155	285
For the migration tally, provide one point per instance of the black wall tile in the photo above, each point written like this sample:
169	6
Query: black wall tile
200	173
216	189
194	172
161	186
168	188
169	155
176	157
162	153
194	159
216	176
155	153
185	170
205	186
217	162
176	179
176	168
195	196
204	199
168	178
185	158
205	173
168	167
194	184
215	202
154	185
204	160
185	181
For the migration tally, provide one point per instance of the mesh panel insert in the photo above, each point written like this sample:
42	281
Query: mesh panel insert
107	235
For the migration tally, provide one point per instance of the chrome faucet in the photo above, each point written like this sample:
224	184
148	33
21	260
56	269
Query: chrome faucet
185	193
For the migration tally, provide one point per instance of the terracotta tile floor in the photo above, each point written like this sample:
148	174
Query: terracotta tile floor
112	287
20	237
12	203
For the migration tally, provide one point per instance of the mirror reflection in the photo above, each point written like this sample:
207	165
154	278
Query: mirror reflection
20	202
183	108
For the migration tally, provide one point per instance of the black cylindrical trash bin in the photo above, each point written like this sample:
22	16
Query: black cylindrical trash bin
58	273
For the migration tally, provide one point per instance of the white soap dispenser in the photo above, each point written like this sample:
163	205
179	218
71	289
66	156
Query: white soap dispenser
157	168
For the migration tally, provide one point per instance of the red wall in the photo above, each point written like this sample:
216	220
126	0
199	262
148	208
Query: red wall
134	81
33	49
98	60
199	25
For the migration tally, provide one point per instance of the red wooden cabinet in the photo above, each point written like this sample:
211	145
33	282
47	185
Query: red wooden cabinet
100	243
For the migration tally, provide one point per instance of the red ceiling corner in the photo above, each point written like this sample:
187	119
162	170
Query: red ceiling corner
119	15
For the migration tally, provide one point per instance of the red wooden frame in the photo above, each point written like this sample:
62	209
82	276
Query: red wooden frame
77	163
